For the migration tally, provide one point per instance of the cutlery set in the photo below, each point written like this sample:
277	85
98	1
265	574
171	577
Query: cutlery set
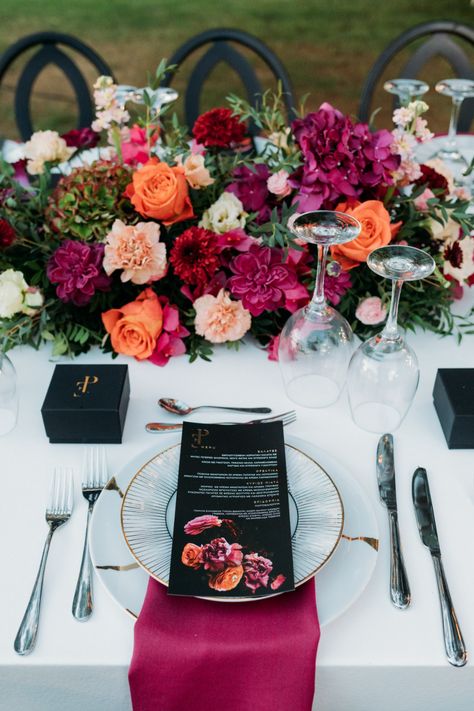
425	517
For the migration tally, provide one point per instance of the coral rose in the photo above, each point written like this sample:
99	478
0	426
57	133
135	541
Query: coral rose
376	232
191	556
227	580
135	327
160	191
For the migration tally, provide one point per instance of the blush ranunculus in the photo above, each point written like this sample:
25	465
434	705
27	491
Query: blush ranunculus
228	579
376	232
160	191
135	327
191	556
370	311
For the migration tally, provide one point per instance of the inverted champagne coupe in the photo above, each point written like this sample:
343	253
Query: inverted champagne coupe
406	89
458	90
383	372
316	342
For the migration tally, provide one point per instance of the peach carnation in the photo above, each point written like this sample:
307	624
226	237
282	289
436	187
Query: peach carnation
137	250
219	319
45	147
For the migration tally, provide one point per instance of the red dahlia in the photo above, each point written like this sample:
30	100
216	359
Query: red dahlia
195	255
217	128
432	179
7	234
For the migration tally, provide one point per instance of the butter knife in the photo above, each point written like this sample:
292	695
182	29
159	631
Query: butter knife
399	587
453	640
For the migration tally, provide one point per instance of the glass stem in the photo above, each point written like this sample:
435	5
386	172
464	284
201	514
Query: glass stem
453	123
318	301
391	327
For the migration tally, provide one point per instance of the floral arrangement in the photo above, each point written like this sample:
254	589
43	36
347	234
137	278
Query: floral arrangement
224	563
149	241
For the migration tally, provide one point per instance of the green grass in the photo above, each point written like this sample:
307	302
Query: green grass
327	46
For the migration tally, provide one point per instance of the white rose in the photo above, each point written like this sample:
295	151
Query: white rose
45	147
12	293
226	214
34	299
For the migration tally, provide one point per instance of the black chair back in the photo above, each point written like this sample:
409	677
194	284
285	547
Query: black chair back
50	53
221	51
438	44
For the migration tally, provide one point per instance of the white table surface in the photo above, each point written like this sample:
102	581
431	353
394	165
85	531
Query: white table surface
373	658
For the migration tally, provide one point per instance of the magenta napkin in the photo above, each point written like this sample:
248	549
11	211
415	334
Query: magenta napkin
203	655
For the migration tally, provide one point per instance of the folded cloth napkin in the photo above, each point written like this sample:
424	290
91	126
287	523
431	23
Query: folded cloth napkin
202	655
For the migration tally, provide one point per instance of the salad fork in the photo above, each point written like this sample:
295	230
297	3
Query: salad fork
58	511
286	417
94	478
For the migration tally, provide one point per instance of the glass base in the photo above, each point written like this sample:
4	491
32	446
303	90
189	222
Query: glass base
313	390
376	417
7	421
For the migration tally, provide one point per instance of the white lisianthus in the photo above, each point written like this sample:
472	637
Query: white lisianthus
45	147
16	296
226	214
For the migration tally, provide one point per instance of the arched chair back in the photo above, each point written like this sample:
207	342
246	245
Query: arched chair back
50	52
438	44
222	49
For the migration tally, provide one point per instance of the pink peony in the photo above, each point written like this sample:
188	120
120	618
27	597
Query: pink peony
170	341
256	571
219	319
235	239
260	279
278	184
200	523
76	268
219	554
370	311
250	186
136	250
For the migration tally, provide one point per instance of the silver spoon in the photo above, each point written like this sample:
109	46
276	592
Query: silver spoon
178	407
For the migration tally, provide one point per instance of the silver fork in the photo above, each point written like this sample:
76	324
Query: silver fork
286	417
94	478
58	511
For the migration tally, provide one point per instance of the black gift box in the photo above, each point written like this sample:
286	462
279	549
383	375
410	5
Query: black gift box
86	404
453	397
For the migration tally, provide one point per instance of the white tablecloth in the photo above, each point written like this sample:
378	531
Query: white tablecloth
373	658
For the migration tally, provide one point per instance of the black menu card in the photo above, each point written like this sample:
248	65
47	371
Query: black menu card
232	526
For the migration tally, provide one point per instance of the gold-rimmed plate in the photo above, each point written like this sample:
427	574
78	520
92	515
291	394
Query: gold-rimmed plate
148	508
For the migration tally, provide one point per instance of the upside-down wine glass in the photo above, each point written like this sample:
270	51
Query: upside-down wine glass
406	89
8	394
316	341
458	90
383	373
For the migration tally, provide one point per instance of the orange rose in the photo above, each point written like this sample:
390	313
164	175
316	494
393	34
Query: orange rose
376	232
161	192
227	579
135	327
191	556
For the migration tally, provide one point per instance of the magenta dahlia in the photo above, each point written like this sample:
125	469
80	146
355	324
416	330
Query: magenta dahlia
76	268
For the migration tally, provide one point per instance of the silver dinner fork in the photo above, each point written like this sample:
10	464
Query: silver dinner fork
58	511
94	478
286	417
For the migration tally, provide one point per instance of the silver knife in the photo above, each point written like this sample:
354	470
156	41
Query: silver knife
453	641
399	587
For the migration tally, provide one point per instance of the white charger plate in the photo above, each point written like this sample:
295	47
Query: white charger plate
339	582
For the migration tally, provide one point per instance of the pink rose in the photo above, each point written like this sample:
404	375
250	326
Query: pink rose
219	319
278	183
370	311
200	523
421	202
219	554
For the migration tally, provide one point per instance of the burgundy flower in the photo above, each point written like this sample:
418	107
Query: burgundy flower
200	523
256	571
81	138
76	267
170	341
261	280
299	262
194	255
341	159
7	234
433	180
453	254
336	286
217	128
219	554
250	186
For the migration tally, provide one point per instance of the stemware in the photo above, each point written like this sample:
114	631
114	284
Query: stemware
458	90
316	342
383	372
406	89
8	395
